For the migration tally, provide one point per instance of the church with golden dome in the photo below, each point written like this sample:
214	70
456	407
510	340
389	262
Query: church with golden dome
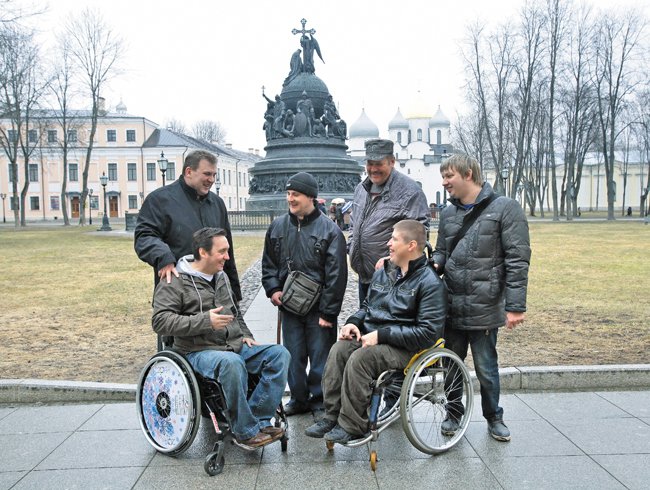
422	141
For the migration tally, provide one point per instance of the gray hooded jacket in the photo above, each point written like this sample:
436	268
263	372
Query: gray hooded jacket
372	220
487	273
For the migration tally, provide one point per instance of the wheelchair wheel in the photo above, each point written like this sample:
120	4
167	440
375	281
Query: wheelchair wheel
390	401
436	386
213	467
169	403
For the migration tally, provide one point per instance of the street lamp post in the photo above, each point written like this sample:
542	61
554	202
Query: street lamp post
4	217
505	173
90	206
105	225
217	183
162	165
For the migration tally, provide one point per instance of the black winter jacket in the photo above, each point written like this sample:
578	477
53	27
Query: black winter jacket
169	217
316	248
408	313
487	273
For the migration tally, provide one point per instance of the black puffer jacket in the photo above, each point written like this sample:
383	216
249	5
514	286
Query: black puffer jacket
372	220
487	273
408	313
316	248
169	217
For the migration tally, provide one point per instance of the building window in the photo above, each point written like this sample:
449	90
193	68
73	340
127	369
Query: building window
52	136
11	135
171	170
419	135
72	136
33	136
224	176
241	203
34	203
229	202
111	135
409	171
130	135
131	172
151	171
73	172
133	202
439	137
245	180
33	172
409	138
399	137
437	197
112	172
10	174
229	179
54	203
239	178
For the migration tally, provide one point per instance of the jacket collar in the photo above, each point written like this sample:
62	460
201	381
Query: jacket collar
310	218
191	191
367	184
414	265
485	193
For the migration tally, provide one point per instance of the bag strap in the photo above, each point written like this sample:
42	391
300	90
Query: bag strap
469	221
285	245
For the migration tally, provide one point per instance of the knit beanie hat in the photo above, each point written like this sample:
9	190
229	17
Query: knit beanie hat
304	183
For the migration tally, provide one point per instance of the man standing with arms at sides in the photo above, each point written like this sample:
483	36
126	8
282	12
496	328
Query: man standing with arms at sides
170	215
483	250
381	200
306	241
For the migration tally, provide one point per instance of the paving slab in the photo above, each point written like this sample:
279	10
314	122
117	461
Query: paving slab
566	406
552	473
632	470
513	409
233	477
318	475
529	438
100	449
58	418
20	452
113	416
9	479
427	474
81	479
6	411
607	436
636	403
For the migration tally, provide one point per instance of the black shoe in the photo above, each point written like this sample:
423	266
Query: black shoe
340	436
449	426
295	409
499	430
321	428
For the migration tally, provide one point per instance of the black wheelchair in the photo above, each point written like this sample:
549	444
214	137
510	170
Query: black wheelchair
171	398
435	384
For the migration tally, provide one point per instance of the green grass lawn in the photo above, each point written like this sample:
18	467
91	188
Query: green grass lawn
77	305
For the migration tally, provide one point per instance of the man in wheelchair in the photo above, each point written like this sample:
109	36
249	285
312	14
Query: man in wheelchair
403	313
199	309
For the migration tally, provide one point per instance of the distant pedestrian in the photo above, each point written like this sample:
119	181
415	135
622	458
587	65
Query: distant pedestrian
629	211
338	213
384	198
483	250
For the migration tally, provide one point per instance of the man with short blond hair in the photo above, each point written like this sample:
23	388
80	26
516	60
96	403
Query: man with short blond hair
483	250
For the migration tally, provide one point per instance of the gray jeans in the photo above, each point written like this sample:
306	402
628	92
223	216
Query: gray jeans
347	378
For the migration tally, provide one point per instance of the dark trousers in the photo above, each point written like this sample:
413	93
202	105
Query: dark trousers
363	292
307	341
347	379
484	353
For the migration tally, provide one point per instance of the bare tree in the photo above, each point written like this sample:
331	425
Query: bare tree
96	51
209	131
22	84
12	12
643	137
175	125
615	74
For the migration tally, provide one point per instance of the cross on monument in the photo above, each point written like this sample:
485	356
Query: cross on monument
303	31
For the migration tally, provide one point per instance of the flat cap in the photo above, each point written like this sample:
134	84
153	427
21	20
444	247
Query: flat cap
378	149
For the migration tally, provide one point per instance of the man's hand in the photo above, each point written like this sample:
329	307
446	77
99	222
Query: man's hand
380	263
167	272
275	299
219	321
513	318
324	323
349	332
250	342
435	266
370	339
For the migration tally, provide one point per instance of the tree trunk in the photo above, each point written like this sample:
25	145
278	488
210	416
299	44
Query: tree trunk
23	194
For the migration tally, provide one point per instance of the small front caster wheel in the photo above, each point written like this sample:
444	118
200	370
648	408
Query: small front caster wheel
211	466
283	443
330	445
373	460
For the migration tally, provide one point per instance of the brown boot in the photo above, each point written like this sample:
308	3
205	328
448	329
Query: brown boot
257	440
274	432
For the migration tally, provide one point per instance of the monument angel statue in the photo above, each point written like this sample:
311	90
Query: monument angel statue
309	45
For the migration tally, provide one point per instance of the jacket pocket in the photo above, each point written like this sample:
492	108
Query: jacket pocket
497	280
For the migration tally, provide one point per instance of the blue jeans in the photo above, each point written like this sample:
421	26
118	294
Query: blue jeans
306	340
231	371
484	353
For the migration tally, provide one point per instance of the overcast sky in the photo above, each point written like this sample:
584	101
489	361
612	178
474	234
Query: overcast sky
208	59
